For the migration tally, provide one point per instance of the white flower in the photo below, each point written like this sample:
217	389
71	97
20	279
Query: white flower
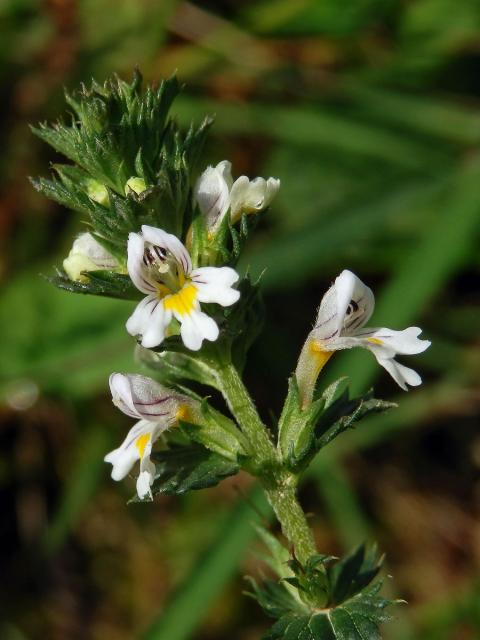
160	266
344	310
156	409
216	193
87	254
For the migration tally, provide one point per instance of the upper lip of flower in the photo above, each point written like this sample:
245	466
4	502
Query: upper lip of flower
141	397
160	266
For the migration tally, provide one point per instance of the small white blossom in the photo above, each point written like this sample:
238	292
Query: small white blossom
87	254
160	266
216	193
344	311
156	409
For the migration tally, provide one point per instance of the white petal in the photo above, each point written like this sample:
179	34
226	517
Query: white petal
75	264
273	185
401	374
121	391
214	284
123	458
196	327
170	242
250	196
139	321
238	194
212	195
154	329
135	265
255	195
404	342
147	474
144	483
87	245
87	254
225	169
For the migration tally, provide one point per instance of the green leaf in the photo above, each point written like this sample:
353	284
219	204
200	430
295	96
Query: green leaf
173	368
303	432
344	413
244	320
100	283
183	469
217	433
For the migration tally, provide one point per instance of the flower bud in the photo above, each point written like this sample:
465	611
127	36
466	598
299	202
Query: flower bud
216	193
87	254
97	192
135	184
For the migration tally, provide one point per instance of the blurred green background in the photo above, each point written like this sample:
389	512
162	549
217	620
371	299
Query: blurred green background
369	113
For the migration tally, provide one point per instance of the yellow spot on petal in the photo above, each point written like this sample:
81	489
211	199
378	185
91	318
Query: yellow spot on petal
182	302
319	354
374	340
183	413
141	442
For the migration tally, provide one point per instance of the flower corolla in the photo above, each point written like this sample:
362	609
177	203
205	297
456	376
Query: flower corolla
160	266
156	409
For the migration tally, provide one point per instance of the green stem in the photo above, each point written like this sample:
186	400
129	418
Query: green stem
279	485
242	407
283	499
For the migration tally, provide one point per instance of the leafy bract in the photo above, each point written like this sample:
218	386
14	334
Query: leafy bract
183	469
118	131
303	432
99	283
326	599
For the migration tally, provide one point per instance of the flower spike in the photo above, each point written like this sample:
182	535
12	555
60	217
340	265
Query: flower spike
160	266
156	409
345	309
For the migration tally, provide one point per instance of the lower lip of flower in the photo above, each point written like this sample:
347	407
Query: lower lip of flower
182	302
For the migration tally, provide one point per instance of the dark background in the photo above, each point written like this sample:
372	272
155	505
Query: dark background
368	112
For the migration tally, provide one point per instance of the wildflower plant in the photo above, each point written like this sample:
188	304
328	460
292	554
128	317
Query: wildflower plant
165	232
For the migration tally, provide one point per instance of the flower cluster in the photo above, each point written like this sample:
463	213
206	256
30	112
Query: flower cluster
160	266
136	244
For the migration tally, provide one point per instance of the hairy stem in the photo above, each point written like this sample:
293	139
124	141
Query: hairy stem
279	486
283	500
242	408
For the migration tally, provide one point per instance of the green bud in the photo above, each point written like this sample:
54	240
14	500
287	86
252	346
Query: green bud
135	184
97	192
